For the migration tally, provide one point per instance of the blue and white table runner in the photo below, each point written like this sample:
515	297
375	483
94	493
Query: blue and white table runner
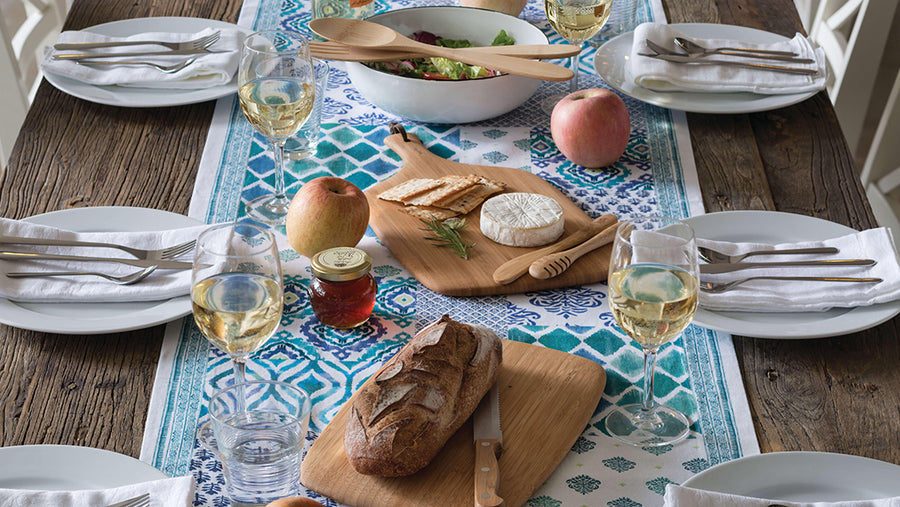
697	374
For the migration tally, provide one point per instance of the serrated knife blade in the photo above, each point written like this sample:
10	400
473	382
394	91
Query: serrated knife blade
488	445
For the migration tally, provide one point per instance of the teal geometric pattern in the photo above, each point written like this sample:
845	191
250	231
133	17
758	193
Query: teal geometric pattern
331	364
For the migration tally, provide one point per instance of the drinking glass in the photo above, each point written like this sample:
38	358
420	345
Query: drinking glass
653	282
236	289
276	91
257	430
576	21
303	144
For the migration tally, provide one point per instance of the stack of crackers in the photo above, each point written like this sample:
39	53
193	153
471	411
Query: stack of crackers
444	197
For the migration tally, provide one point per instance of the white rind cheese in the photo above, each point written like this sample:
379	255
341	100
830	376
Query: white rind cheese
522	219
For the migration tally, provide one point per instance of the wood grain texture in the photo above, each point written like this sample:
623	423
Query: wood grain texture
536	385
94	390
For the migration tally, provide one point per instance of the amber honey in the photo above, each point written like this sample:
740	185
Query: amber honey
342	291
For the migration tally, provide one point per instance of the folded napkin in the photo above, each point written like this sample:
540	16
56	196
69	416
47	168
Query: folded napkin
177	491
160	285
802	296
680	496
208	70
657	74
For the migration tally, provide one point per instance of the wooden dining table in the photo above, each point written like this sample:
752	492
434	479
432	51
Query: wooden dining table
839	394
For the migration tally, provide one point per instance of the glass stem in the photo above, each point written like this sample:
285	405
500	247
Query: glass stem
278	153
649	368
238	365
573	83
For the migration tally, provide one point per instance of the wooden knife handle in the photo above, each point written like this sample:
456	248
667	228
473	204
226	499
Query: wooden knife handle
512	269
487	473
554	264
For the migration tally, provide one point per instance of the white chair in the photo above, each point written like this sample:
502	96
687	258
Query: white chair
852	33
807	11
26	26
881	171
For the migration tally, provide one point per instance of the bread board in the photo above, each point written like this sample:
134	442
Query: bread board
440	269
547	397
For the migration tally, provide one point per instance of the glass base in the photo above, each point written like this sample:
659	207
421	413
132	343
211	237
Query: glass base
550	102
269	209
660	426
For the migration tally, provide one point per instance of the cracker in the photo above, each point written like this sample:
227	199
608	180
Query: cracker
474	196
426	212
451	186
409	189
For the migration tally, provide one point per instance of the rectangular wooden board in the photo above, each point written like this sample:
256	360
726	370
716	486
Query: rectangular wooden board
546	399
443	271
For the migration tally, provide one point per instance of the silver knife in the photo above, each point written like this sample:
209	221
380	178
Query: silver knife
758	66
729	267
141	263
78	56
488	445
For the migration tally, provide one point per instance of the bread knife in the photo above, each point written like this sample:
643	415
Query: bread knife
726	267
141	263
488	445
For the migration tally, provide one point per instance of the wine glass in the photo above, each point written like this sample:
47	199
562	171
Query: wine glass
653	283
236	289
276	91
576	21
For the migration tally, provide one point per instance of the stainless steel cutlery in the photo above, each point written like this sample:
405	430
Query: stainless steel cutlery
162	253
662	53
198	43
715	288
77	56
698	51
141	263
711	256
729	267
128	279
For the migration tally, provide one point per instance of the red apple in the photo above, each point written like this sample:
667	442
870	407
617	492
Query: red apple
325	213
591	127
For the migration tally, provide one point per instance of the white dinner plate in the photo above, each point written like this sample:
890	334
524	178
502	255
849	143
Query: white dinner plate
69	468
775	227
610	60
802	477
129	96
96	318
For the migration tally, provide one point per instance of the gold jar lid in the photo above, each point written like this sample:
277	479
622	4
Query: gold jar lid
340	264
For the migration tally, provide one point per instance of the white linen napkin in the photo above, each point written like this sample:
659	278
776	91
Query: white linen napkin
803	296
680	496
176	491
657	74
160	285
208	70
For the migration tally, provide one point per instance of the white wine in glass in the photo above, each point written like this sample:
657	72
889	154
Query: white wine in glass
276	91
653	284
576	21
237	292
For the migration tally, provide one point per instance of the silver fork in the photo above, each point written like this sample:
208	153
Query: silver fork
198	43
167	69
164	254
128	279
713	257
138	501
715	288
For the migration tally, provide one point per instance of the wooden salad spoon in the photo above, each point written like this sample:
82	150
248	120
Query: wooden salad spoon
330	50
360	33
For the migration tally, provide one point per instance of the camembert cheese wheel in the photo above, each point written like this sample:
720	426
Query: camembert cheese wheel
522	219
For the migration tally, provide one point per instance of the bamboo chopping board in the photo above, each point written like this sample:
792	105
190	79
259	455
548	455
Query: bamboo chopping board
440	269
547	398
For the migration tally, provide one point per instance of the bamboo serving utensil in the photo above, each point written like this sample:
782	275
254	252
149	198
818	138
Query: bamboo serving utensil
554	264
330	50
511	270
366	34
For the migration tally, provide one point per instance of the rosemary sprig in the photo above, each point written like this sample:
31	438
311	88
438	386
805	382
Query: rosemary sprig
447	234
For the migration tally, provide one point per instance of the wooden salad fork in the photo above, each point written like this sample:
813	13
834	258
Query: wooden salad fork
366	34
330	50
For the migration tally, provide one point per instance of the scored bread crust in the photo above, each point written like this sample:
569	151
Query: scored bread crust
399	421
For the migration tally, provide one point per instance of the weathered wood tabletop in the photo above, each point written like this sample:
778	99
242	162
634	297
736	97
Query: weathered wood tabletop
834	394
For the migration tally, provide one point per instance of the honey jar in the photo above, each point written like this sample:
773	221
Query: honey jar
342	291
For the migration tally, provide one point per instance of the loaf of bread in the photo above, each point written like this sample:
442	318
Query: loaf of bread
401	419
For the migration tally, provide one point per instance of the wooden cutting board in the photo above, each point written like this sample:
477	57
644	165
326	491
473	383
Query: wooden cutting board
440	269
547	398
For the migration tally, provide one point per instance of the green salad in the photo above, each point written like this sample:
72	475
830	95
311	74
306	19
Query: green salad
441	68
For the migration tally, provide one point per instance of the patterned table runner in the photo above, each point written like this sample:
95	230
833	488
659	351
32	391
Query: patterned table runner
696	374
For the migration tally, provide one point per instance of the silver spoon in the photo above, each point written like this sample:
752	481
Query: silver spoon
695	49
128	279
713	257
167	69
715	288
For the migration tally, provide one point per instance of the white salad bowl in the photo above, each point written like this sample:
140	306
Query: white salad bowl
435	101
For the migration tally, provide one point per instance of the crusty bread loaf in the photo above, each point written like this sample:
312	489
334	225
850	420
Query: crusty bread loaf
401	419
